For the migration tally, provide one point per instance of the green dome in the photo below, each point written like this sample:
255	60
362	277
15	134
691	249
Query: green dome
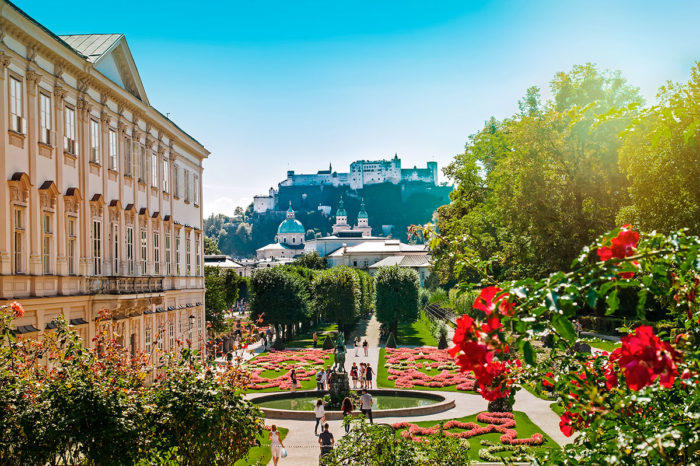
363	212
341	210
291	225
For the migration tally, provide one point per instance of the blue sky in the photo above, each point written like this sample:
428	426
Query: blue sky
268	86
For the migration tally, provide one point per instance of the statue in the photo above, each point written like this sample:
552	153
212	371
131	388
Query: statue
340	353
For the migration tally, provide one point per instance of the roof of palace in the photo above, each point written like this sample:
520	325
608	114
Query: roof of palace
290	225
403	261
93	46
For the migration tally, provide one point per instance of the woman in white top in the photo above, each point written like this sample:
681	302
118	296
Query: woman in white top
320	413
276	444
356	345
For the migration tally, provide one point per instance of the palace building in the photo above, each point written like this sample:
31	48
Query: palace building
102	192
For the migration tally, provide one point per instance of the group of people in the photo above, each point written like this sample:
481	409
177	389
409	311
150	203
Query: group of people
323	379
364	374
356	346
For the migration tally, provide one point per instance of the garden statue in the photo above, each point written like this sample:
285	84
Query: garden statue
340	352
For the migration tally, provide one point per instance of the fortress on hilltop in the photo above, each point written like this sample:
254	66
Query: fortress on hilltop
362	173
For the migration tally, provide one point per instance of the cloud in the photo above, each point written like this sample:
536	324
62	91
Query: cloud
225	205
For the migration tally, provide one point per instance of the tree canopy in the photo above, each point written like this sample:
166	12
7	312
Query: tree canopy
396	295
337	295
279	295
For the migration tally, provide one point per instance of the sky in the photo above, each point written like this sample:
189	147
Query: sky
274	85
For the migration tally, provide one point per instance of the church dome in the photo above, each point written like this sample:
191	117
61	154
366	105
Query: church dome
341	210
290	226
363	212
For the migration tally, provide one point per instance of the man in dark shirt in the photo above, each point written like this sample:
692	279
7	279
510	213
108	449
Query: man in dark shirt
326	441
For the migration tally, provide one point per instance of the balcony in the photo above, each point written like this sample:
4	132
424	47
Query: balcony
124	285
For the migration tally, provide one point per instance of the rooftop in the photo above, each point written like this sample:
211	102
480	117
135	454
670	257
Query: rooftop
93	46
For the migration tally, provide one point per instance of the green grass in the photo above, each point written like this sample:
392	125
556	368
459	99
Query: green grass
305	384
261	455
414	334
384	382
523	425
306	339
557	408
605	345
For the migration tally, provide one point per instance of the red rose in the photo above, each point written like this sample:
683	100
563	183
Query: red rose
625	243
568	423
484	302
546	382
644	358
604	253
17	308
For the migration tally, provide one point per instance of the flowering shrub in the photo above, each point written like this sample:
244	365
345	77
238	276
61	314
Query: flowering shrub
305	362
406	371
639	404
520	453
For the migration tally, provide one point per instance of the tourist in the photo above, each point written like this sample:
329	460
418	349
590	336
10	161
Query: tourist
324	376
356	345
365	346
276	444
328	378
293	379
347	411
354	374
319	380
315	339
369	372
363	375
366	403
320	413
326	441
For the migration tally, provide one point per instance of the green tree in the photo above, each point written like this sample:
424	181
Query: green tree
210	246
311	260
661	158
214	298
280	296
396	296
337	296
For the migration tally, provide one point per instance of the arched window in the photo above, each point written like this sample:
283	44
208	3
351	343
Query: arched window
294	240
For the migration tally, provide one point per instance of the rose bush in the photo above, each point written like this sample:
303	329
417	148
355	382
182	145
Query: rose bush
406	370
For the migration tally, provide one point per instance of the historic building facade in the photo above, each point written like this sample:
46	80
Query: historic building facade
289	241
102	193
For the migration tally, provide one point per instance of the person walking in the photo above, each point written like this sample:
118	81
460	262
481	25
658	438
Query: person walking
319	380
356	345
320	413
365	346
363	375
347	411
315	340
326	441
323	379
366	403
328	378
369	372
276	444
354	374
293	379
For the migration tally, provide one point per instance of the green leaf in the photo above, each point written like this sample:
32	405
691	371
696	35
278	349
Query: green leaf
592	298
528	353
564	327
641	311
613	302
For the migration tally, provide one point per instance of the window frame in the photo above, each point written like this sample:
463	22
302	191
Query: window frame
113	150
45	119
70	144
95	141
16	106
97	246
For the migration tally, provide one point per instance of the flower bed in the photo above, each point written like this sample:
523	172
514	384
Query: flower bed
503	423
411	367
305	362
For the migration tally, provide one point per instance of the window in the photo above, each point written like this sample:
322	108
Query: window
198	259
97	246
45	119
154	170
177	254
195	189
144	251
69	144
167	254
166	175
188	253
94	141
130	249
19	241
127	158
171	335
142	164
46	246
115	248
148	340
187	185
156	253
176	181
16	121
113	149
71	246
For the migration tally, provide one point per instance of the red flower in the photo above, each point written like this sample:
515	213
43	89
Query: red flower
568	423
17	308
492	325
604	253
546	382
625	243
484	302
644	358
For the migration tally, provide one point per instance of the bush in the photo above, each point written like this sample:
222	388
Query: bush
438	296
391	341
423	297
278	344
329	342
442	344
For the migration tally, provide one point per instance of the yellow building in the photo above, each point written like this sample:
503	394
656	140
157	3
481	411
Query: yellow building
102	194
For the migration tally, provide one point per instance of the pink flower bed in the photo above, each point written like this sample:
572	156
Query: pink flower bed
503	423
404	369
305	362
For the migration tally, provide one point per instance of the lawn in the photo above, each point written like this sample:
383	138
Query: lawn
384	382
285	367
523	425
306	340
414	334
605	345
261	455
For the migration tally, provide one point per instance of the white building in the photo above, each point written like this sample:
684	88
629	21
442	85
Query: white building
289	241
367	253
419	263
262	203
226	262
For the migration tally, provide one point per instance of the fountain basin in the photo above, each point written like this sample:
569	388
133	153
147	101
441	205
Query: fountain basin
298	405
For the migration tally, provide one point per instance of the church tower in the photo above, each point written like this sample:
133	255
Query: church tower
341	219
363	221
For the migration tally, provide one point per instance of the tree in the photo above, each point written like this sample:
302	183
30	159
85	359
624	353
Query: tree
210	246
661	157
336	295
278	296
311	260
396	295
221	293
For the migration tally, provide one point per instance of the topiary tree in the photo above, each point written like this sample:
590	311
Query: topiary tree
396	296
329	342
391	341
442	343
